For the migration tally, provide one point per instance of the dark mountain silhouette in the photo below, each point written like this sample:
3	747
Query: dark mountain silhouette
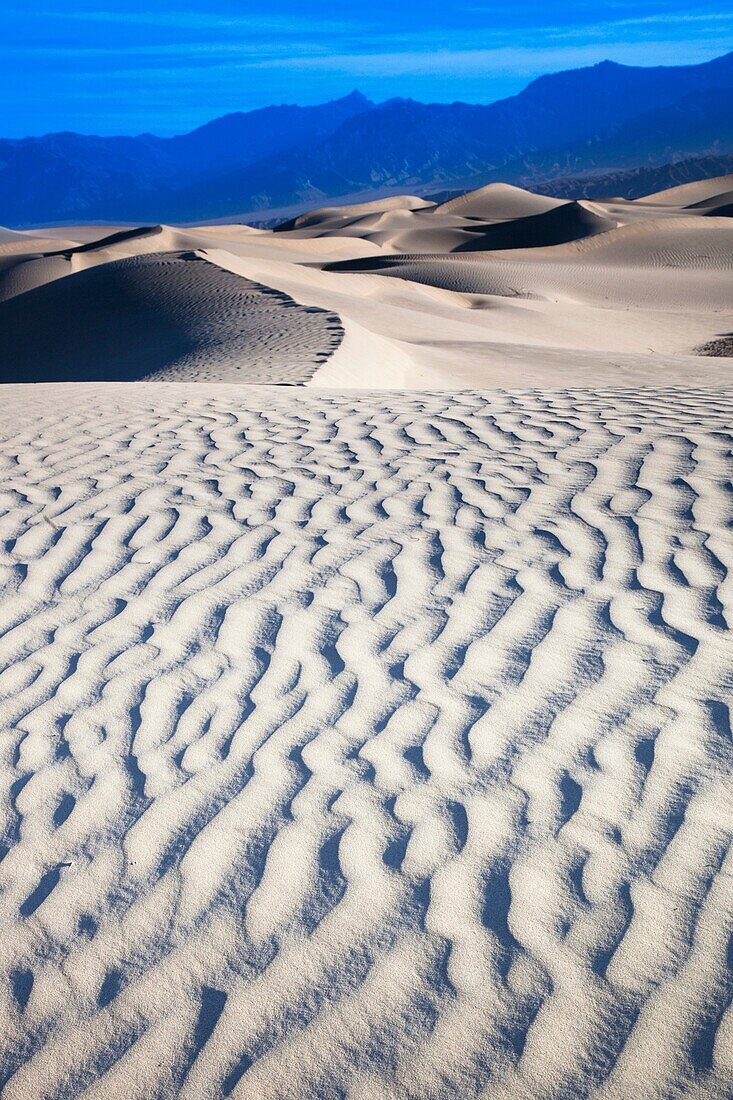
634	183
606	117
699	123
66	177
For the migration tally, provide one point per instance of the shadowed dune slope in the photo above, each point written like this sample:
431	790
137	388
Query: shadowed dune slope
41	261
22	273
714	204
570	222
722	210
164	316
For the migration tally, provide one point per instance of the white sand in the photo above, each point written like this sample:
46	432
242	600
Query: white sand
366	744
371	746
169	315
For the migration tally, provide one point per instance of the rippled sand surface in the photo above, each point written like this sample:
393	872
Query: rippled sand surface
365	745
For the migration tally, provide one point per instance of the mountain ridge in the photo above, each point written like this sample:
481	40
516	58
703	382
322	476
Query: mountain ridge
284	155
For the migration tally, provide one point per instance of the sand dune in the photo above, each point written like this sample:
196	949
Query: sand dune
499	286
360	743
691	195
690	244
365	745
571	222
327	215
720	205
678	262
28	272
454	233
499	201
619	284
161	315
12	241
32	269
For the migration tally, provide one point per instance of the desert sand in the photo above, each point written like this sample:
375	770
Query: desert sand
499	287
367	733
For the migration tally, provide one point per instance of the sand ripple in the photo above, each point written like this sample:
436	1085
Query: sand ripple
365	746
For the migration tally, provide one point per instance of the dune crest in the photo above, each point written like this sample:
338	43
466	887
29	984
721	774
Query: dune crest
500	202
161	315
691	195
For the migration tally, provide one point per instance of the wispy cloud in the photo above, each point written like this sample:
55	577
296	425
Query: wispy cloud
506	59
156	68
199	20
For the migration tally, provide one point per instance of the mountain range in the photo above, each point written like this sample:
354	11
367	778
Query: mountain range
635	183
599	121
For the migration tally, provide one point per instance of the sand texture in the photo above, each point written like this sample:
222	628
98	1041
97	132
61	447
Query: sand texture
366	746
162	313
365	654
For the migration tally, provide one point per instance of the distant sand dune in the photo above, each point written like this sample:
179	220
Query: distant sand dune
13	242
499	201
327	214
691	261
694	194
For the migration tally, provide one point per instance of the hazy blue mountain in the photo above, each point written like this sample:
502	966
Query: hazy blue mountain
65	177
697	124
238	139
606	117
634	183
653	113
606	95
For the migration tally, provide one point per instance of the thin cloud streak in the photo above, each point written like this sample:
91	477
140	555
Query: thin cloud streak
173	65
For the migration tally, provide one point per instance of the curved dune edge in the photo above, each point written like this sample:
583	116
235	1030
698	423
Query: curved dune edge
166	316
693	281
691	194
441	339
362	358
375	743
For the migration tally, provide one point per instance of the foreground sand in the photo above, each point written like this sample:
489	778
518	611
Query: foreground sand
366	745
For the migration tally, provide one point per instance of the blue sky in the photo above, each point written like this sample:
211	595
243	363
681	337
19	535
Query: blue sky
124	66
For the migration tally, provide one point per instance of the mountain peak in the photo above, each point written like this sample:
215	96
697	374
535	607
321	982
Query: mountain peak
281	155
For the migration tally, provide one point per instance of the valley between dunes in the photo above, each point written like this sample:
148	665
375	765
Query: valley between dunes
365	654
